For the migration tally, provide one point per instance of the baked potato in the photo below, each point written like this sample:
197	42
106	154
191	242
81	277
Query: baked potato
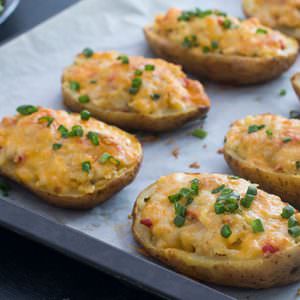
296	83
133	92
69	160
219	47
220	229
283	15
266	149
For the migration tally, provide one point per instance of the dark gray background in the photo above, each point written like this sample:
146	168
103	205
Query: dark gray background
27	269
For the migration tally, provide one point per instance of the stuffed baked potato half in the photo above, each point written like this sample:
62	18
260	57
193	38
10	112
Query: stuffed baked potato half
219	47
296	83
69	160
219	229
283	15
133	92
266	149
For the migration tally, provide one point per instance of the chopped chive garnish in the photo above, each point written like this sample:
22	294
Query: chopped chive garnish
269	133
84	99
93	137
190	42
227	201
199	133
294	114
174	198
26	110
155	96
292	221
179	221
294	231
214	45
56	146
105	157
252	190
63	131
249	197
76	131
85	115
138	72
261	31
205	49
47	119
254	128
227	24
86	166
136	84
286	139
297	164
124	59
88	52
287	211
218	189
195	186
226	231
257	226
74	86
149	67
282	92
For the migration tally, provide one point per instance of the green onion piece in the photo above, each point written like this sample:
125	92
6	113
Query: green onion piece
261	31
74	86
233	177
138	72
76	131
257	226
214	45
254	128
226	231
88	52
190	41
294	231
47	119
174	198
294	114
108	157
136	83
63	131
124	59
269	133
85	115
199	133
149	67
5	188
93	81
180	210
179	221
93	137
247	200
252	190
155	96
227	24
84	99
219	208
86	166
292	222
195	186
282	92
218	189
205	49
26	109
56	146
286	140
287	211
297	164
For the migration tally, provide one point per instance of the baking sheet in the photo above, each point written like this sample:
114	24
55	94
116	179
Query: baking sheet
30	70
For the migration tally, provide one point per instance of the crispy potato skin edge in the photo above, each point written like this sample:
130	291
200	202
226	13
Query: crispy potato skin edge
278	269
130	120
86	201
296	78
287	187
234	70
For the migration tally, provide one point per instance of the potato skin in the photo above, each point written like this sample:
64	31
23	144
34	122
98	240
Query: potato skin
235	70
131	120
281	268
295	80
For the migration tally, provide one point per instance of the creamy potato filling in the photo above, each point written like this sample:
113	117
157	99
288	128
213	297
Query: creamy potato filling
62	153
115	82
212	31
268	141
225	217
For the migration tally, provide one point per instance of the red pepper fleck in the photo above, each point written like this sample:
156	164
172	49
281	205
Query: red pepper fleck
19	158
268	248
146	222
282	45
220	21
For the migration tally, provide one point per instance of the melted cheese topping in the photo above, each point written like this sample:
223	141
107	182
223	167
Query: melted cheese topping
278	152
225	35
275	13
107	81
201	232
26	153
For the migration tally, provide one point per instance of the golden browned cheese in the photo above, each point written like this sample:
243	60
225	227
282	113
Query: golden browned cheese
275	13
201	232
215	32
27	153
107	80
274	147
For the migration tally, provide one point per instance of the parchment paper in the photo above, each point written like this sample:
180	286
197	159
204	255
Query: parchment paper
30	71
